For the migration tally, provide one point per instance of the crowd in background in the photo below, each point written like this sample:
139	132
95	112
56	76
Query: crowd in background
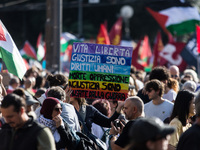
161	113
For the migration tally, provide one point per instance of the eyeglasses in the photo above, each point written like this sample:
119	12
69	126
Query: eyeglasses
58	109
174	76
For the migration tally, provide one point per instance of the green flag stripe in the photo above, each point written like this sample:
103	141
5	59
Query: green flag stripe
96	76
183	28
13	63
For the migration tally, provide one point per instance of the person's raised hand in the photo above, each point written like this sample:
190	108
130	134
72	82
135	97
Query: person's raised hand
58	120
120	106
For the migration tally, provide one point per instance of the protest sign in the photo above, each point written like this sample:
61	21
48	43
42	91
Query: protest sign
100	71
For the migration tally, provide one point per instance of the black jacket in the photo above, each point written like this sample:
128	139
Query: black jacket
95	116
24	138
68	139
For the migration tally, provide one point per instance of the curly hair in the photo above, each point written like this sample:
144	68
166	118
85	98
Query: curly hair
161	73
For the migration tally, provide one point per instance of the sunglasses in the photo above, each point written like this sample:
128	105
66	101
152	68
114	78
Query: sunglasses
58	109
174	76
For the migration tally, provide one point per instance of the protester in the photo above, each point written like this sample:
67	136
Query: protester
113	106
189	85
102	133
138	78
192	73
2	89
171	90
20	131
51	110
160	73
87	114
190	138
55	80
132	91
68	111
14	83
60	80
133	109
30	101
174	72
28	85
150	134
182	111
157	107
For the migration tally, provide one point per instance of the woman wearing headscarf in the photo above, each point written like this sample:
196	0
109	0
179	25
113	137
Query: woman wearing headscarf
50	117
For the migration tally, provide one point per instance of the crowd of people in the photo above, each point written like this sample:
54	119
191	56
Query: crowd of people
161	112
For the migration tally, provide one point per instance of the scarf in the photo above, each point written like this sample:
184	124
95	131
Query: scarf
51	125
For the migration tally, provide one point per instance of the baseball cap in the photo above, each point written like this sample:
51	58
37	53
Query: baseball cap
151	128
29	99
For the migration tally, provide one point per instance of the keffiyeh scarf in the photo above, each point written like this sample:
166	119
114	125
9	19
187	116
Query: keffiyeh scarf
51	125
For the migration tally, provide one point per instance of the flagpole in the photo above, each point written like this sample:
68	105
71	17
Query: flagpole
198	65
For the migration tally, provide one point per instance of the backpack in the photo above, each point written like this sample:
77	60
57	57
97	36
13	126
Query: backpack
85	143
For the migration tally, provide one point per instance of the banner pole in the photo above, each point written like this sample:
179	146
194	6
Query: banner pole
198	65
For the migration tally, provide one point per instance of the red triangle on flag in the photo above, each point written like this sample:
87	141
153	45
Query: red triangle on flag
160	18
2	35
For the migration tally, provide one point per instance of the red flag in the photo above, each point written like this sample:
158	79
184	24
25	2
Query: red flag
158	47
198	38
171	53
146	51
29	50
115	34
135	57
102	37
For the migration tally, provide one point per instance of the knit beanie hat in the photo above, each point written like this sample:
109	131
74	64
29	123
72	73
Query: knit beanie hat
48	106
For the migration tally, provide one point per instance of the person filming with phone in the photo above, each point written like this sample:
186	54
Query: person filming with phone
133	109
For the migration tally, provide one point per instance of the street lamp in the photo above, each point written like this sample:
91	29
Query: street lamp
126	13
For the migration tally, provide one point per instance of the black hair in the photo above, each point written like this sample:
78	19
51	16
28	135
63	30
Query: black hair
15	100
182	106
13	80
161	73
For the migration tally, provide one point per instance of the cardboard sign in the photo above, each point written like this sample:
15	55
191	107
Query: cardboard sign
100	71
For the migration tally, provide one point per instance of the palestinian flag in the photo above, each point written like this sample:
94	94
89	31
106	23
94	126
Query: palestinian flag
40	48
174	16
28	51
10	54
66	40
